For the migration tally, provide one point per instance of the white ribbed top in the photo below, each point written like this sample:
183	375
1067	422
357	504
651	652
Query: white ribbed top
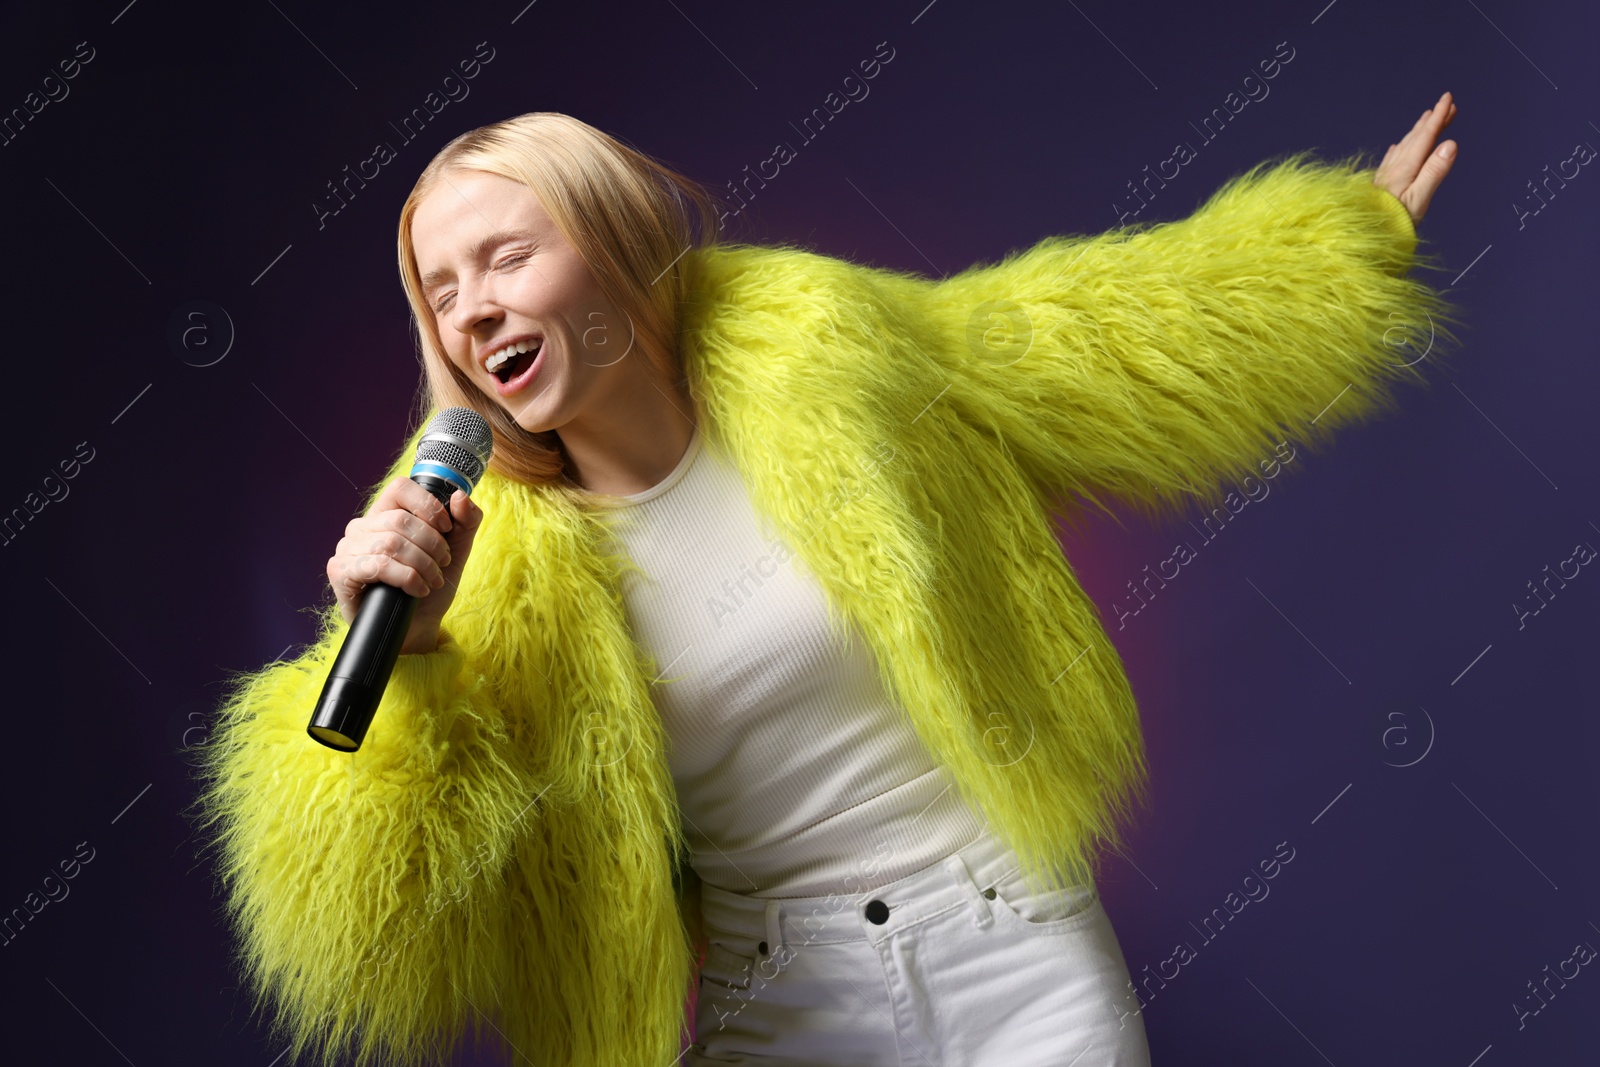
797	773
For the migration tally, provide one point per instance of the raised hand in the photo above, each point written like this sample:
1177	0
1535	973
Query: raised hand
1413	168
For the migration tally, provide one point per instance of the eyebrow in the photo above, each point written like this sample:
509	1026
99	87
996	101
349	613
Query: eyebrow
482	245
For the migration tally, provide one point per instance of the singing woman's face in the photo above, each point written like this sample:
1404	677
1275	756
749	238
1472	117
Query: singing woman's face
502	281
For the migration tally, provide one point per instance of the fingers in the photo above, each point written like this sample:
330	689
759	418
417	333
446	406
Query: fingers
1404	160
1426	165
1437	165
399	543
407	509
1442	111
400	528
402	492
1432	122
468	517
403	569
464	511
351	573
408	540
389	557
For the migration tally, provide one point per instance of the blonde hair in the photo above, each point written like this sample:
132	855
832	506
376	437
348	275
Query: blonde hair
628	216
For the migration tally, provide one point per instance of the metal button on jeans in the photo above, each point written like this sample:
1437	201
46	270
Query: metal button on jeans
877	912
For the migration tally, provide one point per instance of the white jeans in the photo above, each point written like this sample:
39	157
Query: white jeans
956	964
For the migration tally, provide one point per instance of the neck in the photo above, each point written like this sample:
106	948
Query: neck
643	431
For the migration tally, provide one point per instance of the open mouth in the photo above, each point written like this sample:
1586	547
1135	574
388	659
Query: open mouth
516	365
514	360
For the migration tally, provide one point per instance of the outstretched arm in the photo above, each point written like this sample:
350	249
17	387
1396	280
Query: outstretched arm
1159	362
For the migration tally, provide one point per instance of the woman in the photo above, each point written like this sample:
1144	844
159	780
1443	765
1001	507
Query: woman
766	665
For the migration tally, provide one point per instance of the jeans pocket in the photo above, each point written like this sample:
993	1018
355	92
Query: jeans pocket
1046	912
726	968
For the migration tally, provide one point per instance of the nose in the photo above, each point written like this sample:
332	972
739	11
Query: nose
474	309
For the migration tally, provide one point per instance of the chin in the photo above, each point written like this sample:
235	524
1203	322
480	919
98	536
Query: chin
532	422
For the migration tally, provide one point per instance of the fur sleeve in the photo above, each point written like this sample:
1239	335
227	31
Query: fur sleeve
362	887
1158	362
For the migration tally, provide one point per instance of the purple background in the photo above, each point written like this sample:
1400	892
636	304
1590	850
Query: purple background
1351	602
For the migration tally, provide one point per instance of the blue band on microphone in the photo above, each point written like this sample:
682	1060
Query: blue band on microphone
439	470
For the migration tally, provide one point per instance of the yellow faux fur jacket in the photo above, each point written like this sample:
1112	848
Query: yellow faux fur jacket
505	849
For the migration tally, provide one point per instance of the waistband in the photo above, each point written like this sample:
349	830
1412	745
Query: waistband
754	927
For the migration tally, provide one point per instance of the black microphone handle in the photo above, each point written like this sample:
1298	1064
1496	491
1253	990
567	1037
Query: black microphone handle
361	671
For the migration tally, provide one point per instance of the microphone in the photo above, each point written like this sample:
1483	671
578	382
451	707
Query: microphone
452	454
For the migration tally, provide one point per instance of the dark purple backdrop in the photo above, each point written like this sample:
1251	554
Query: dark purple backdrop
1359	618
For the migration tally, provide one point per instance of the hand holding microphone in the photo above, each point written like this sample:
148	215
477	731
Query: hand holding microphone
412	542
396	571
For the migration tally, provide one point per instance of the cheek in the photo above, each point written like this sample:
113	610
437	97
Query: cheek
459	352
567	286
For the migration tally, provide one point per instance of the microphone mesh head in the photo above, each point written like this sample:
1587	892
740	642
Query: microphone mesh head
458	438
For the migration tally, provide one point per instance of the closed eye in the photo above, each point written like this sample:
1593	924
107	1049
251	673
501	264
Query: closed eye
509	261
